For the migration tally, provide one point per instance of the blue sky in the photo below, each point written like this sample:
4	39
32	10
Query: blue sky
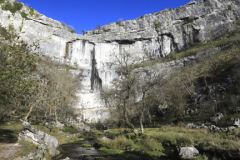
87	14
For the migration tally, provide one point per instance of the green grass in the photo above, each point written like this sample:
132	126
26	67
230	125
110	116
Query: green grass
111	151
9	133
65	140
147	146
69	129
150	144
26	148
91	134
86	145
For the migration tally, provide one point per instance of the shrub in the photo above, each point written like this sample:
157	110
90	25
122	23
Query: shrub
7	6
98	26
2	1
172	55
157	24
120	22
23	14
63	24
10	27
12	8
229	7
17	6
3	32
31	12
21	26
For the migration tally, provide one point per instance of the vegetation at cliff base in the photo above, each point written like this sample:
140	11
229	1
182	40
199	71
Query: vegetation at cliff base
27	84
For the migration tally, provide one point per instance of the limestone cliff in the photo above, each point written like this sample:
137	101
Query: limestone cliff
148	37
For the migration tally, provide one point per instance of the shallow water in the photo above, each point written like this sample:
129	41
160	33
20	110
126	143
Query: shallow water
75	151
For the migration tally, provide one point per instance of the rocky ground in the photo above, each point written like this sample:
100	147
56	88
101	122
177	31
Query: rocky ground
9	150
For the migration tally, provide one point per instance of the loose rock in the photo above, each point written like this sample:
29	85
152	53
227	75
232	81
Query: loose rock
30	134
188	152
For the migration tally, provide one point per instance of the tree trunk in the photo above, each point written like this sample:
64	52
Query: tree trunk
14	111
30	110
141	125
55	108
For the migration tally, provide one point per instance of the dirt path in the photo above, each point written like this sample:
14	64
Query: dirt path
8	150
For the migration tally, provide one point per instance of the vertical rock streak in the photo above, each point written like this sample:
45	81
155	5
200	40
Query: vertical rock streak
96	81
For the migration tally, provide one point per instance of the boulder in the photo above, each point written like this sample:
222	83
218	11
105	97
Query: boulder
106	131
188	152
87	128
67	158
231	128
214	128
69	136
105	139
135	131
236	122
44	140
190	125
216	117
59	125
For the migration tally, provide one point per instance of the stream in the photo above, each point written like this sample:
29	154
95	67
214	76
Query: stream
75	151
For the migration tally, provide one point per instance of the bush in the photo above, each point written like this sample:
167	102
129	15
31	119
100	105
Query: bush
17	6
3	32
157	24
23	14
2	1
12	8
229	7
21	26
31	12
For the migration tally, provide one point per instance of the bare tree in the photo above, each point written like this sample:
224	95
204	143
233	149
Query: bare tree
148	79
123	92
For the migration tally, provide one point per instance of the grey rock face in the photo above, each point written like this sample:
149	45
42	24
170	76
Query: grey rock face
188	152
30	134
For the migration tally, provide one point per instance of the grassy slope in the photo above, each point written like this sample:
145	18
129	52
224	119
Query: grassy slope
225	144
